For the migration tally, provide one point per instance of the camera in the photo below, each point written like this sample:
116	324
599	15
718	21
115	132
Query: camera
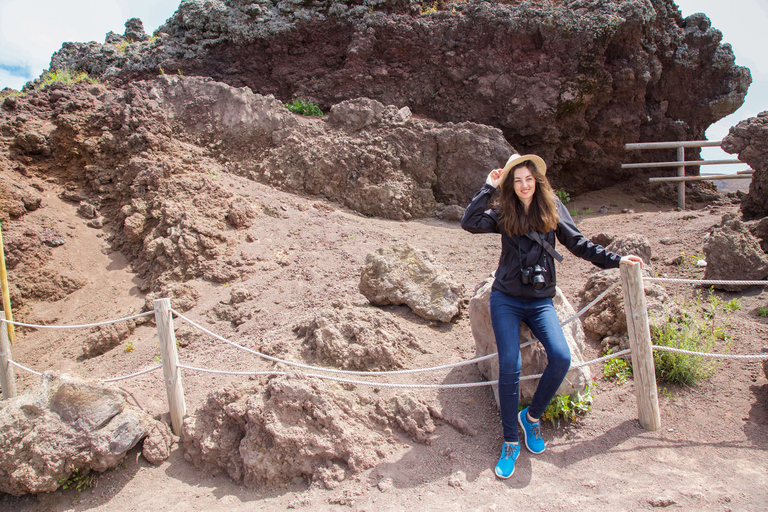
534	276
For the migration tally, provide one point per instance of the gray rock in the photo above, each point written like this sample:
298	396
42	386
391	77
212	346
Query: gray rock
733	254
402	274
158	443
534	358
749	139
608	318
632	244
62	424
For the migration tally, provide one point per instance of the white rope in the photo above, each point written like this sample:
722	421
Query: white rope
704	282
206	370
588	306
76	326
708	354
133	374
23	367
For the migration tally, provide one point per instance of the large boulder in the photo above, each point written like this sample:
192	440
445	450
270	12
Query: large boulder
607	320
67	424
632	244
534	357
358	338
299	427
733	254
401	274
749	139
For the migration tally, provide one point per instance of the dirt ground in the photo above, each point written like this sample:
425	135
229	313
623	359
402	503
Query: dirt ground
710	453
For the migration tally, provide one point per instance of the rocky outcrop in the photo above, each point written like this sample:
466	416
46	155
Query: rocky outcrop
749	139
67	424
733	254
607	319
632	243
572	81
299	427
534	357
401	274
358	338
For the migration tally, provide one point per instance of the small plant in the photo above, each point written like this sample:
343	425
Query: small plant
129	347
158	359
64	76
162	71
618	370
430	9
762	312
732	305
304	107
587	211
78	481
565	407
563	196
122	45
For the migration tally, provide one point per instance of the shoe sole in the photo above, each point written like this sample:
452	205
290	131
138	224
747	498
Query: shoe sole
505	477
525	433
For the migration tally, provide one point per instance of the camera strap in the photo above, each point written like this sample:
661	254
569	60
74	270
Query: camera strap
534	235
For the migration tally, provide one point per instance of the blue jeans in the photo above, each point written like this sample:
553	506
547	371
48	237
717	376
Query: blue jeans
539	314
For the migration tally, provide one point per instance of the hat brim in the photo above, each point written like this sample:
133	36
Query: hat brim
541	166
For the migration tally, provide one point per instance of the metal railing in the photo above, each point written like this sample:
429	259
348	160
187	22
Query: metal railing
681	164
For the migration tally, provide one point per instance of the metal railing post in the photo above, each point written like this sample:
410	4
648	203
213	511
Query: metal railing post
681	173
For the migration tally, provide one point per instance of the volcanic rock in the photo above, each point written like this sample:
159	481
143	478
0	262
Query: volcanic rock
534	357
733	254
749	139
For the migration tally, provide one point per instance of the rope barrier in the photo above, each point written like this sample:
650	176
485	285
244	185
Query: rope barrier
76	326
709	354
388	372
706	282
24	367
133	374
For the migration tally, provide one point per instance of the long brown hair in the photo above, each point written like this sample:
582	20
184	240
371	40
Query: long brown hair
542	213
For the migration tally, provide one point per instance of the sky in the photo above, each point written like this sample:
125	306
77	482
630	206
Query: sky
32	30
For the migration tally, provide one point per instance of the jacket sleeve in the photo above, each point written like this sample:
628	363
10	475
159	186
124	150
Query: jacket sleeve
476	218
570	236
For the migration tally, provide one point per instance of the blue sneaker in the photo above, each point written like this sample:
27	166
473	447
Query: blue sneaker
531	432
506	465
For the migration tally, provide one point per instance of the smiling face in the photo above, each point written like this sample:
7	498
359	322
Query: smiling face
524	184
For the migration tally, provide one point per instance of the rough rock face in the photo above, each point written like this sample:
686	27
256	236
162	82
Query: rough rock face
632	244
358	339
534	357
297	426
733	254
607	319
402	274
103	338
144	161
572	81
64	424
749	139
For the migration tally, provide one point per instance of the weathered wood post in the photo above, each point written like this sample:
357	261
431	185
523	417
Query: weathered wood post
170	357
640	342
7	380
681	172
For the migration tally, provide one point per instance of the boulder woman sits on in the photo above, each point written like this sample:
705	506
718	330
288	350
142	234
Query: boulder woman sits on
529	219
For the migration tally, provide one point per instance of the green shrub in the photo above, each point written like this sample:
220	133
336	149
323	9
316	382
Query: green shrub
763	312
618	370
563	406
304	107
685	333
563	196
64	76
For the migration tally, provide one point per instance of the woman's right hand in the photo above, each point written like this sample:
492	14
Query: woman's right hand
495	177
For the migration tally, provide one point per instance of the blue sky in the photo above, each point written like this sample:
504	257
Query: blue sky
32	30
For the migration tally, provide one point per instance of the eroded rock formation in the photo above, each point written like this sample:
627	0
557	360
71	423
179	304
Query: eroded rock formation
749	139
572	81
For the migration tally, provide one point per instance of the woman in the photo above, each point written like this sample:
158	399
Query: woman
529	219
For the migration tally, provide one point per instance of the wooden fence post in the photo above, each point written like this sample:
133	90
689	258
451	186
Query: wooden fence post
7	380
639	330
170	357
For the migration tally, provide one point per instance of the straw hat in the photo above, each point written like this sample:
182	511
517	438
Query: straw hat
516	159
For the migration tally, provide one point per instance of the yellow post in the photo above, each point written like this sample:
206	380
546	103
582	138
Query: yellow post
6	291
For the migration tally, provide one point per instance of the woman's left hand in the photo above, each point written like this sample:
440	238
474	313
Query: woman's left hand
632	259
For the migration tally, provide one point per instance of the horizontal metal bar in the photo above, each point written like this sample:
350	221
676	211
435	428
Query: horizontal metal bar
678	144
691	163
711	177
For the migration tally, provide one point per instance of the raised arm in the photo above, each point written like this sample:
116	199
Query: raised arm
477	219
570	236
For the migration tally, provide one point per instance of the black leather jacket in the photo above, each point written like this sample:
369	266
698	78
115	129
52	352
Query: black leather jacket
509	274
